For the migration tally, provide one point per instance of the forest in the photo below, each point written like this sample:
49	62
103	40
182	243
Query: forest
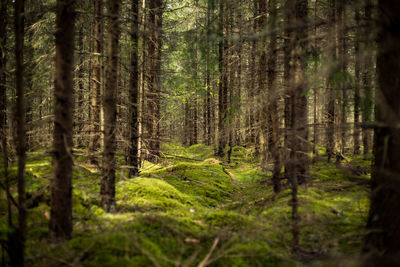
200	133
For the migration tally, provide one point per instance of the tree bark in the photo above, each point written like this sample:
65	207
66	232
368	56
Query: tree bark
357	81
367	78
330	131
223	83
154	65
273	119
19	20
133	160
110	112
298	131
382	243
95	103
61	185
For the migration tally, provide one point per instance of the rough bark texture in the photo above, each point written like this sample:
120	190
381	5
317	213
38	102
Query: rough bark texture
223	83
95	103
3	60
382	243
110	111
367	77
154	66
133	160
20	117
357	101
330	131
273	119
298	131
61	185
262	132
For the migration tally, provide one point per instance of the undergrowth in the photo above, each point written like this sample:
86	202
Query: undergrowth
192	206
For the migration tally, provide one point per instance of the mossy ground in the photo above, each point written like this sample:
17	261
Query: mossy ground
173	213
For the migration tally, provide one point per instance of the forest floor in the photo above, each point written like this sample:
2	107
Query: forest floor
195	210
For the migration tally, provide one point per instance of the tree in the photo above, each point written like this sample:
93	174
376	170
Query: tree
133	160
110	111
223	83
330	132
154	65
61	187
382	243
95	105
19	20
297	165
367	109
273	119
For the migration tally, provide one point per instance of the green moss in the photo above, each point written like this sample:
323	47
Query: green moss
148	194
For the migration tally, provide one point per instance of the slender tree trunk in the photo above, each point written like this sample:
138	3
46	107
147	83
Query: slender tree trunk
95	104
80	92
343	68
134	93
154	65
382	243
223	83
273	119
110	111
3	63
208	76
61	186
330	131
357	80
315	92
262	132
19	18
367	78
298	135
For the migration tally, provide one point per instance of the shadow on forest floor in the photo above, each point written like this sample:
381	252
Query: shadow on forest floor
195	209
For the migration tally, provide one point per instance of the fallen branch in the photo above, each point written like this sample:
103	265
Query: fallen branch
204	262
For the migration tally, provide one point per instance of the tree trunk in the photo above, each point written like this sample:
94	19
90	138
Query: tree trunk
61	186
80	118
110	111
382	243
134	94
95	104
223	83
330	131
298	131
357	100
19	18
262	132
367	78
154	65
273	119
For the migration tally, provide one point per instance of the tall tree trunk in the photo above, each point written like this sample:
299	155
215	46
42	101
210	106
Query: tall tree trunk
207	119
343	68
154	65
110	111
3	61
330	131
273	119
134	93
80	118
367	78
19	17
382	243
223	83
61	186
95	104
262	113
298	131
357	81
